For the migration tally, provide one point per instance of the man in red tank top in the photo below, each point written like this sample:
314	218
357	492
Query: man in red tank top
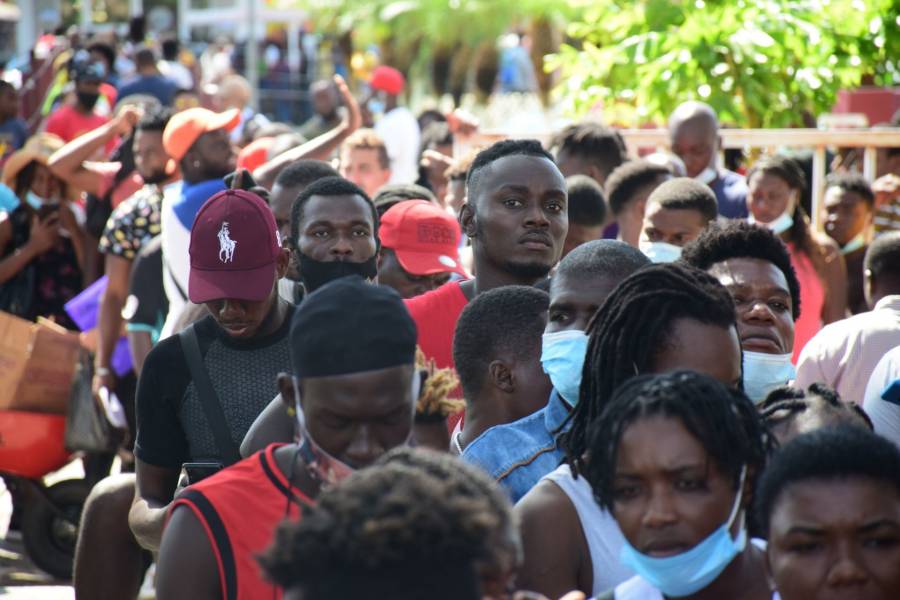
352	395
516	217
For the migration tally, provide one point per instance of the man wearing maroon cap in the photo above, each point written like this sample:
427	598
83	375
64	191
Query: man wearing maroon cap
200	390
197	139
395	124
419	248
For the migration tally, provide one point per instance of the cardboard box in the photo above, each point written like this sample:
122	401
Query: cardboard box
37	362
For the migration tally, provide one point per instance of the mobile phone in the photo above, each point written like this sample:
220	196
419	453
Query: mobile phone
198	471
46	210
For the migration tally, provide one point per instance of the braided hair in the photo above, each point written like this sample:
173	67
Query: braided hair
629	330
723	420
786	403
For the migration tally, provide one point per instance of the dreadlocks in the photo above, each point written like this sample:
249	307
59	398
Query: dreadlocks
629	330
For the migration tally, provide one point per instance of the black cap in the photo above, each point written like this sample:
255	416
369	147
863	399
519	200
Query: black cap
350	326
88	71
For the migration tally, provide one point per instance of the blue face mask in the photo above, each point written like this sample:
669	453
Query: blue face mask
660	252
765	372
562	357
34	200
689	572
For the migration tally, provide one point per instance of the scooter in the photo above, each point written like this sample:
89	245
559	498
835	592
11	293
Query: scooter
32	445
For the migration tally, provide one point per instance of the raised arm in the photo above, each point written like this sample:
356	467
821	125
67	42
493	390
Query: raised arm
319	148
67	163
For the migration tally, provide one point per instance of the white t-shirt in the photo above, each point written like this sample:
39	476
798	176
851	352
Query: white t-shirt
177	73
400	132
176	239
885	415
600	529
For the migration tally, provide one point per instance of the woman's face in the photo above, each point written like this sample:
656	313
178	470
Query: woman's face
769	197
668	493
45	184
836	539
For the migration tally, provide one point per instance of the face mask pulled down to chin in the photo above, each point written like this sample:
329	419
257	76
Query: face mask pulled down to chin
322	466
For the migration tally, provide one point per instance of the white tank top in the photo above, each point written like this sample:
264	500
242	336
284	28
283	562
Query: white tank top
600	530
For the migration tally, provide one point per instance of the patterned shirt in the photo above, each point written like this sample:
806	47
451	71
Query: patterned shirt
133	224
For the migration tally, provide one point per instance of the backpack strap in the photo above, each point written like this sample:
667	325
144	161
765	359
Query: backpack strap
209	400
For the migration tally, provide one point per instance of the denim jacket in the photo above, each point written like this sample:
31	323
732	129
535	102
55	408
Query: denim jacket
518	454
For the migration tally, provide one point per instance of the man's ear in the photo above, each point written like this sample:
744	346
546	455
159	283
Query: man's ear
467	219
502	376
286	388
282	263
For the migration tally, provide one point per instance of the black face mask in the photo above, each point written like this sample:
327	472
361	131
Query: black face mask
87	100
316	273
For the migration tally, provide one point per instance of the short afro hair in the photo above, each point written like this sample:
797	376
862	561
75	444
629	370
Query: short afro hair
830	454
587	205
304	172
739	239
499	150
852	183
328	186
628	179
505	319
883	257
684	193
414	525
600	145
155	118
610	259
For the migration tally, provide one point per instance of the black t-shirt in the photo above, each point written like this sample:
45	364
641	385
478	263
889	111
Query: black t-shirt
172	427
147	304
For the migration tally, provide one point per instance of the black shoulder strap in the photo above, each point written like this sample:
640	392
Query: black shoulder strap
207	396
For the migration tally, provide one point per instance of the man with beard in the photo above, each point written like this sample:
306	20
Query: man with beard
131	226
198	140
516	218
334	233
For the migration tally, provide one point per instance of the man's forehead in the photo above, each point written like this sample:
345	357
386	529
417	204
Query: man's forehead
346	207
749	271
591	289
522	170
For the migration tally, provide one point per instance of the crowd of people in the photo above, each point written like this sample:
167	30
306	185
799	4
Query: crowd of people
363	365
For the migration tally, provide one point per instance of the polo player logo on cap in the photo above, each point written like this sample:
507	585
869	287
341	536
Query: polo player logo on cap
226	244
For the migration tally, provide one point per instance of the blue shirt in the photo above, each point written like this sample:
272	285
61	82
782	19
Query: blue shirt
520	453
13	133
153	85
731	194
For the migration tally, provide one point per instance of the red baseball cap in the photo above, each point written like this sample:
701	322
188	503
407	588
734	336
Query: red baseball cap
234	247
387	79
423	236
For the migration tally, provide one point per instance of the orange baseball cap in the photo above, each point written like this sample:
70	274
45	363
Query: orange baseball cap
186	126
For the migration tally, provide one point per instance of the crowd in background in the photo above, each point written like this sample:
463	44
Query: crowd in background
582	373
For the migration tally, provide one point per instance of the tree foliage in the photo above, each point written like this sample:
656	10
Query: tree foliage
759	63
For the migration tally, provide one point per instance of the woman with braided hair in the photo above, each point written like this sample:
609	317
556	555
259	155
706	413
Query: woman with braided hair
662	318
674	459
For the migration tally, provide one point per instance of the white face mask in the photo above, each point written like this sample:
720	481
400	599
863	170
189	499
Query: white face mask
782	223
858	241
765	372
659	252
707	175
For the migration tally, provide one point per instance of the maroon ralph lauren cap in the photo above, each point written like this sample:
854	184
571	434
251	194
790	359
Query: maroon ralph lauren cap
234	248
